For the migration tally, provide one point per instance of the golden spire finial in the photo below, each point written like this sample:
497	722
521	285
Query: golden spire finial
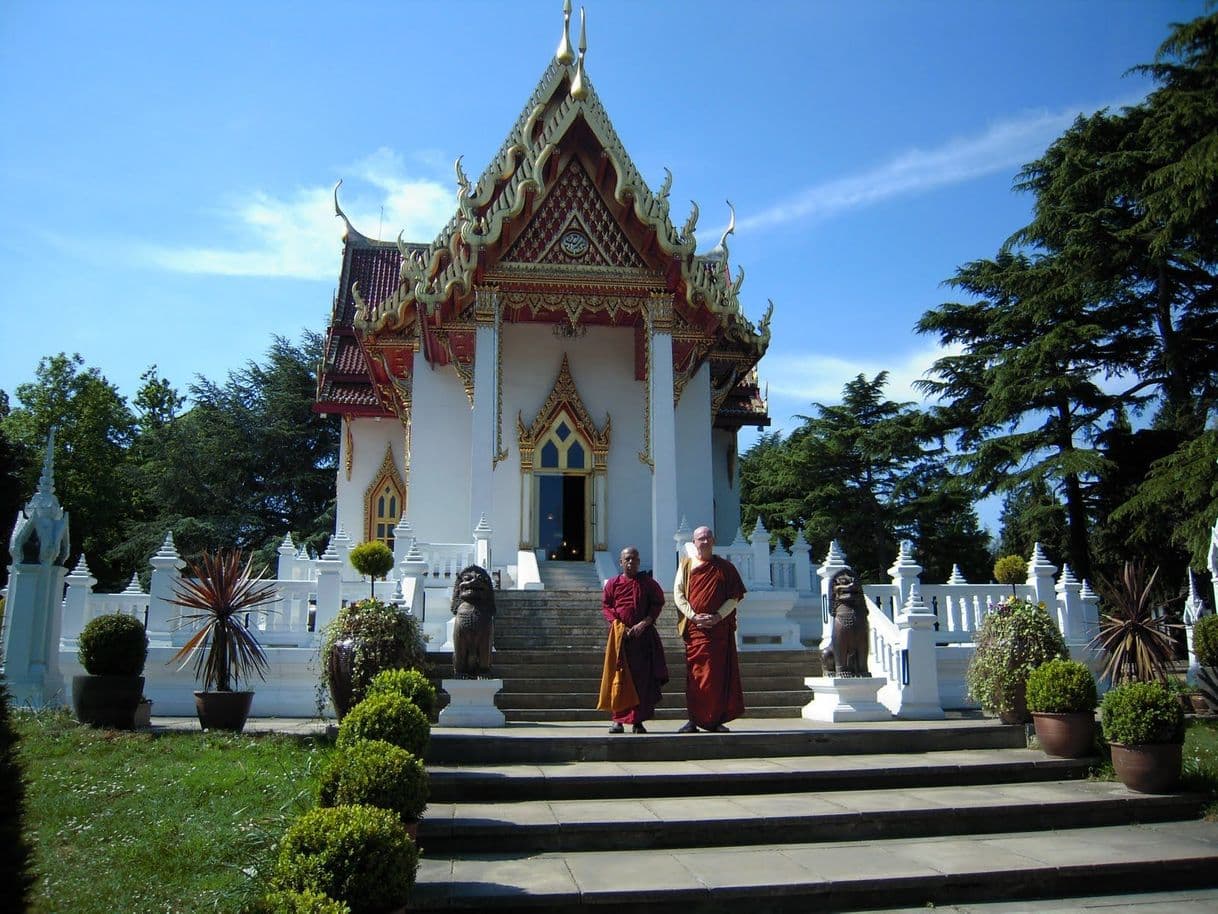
579	89
565	55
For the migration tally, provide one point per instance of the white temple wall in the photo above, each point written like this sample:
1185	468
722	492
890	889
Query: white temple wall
726	475
369	438
695	495
602	366
437	505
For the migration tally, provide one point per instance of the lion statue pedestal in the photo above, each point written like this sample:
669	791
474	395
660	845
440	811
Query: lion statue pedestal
472	704
839	699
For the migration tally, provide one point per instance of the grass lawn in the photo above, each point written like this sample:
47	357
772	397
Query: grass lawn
167	822
1201	759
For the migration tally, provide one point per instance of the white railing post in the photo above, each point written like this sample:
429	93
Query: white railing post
919	667
329	587
76	603
1040	576
802	553
482	544
285	570
835	561
403	534
904	572
167	565
1193	608
679	539
1213	563
1069	607
341	543
760	541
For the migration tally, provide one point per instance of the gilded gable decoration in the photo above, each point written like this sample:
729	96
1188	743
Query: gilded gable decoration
564	397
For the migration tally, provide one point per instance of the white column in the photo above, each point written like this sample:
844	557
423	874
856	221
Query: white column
1040	576
167	568
482	432
76	604
329	587
663	440
802	554
919	697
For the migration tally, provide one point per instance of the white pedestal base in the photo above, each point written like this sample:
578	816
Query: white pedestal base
837	699
473	703
762	622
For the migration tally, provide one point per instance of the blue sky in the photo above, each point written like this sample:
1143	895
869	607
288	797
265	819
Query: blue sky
166	168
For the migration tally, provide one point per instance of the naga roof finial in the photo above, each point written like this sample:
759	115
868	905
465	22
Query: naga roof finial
338	211
565	55
579	88
720	251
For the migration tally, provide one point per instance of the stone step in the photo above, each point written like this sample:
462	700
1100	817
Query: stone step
549	699
558	681
588	714
828	876
581	825
746	776
567	741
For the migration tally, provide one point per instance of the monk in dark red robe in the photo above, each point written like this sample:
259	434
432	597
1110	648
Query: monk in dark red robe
706	592
631	603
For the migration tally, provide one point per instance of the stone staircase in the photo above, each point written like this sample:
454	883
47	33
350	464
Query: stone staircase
549	652
786	815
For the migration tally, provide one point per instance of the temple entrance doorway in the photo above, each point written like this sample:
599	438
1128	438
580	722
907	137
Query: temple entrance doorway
562	512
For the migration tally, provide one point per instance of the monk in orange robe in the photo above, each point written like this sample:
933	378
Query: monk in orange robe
706	592
631	603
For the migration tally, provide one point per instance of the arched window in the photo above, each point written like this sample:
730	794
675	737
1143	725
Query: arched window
563	449
384	502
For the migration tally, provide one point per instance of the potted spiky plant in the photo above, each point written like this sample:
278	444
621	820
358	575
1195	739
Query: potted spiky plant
222	590
1138	643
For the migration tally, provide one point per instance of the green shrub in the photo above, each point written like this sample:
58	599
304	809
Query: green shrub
1015	638
1061	686
389	717
360	855
113	645
14	849
1137	713
381	637
410	684
1205	640
293	902
372	772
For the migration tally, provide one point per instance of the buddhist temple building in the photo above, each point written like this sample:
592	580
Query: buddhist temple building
559	360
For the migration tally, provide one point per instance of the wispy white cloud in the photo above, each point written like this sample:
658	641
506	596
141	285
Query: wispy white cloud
1002	147
295	236
801	379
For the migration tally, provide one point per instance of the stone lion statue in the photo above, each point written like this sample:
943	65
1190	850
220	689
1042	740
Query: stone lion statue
474	609
846	654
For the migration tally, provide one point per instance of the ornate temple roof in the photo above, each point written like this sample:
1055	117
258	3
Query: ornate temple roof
562	225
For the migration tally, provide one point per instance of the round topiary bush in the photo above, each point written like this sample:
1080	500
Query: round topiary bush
1205	641
293	902
359	855
113	645
372	772
1061	686
1138	713
1010	569
1014	639
410	684
389	717
364	639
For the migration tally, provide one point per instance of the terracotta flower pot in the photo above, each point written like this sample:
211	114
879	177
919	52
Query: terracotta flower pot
1150	767
223	710
1069	734
1018	714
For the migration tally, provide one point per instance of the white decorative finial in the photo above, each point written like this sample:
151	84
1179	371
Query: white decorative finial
956	576
133	586
834	556
82	567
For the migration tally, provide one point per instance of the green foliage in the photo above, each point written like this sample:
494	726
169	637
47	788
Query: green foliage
413	685
140	851
376	773
1010	569
867	473
382	637
113	645
1137	713
15	871
1205	641
388	717
94	430
1137	641
293	902
372	559
222	589
1015	637
1059	686
360	855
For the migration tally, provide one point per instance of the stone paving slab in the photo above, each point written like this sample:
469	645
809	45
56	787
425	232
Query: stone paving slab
1194	901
